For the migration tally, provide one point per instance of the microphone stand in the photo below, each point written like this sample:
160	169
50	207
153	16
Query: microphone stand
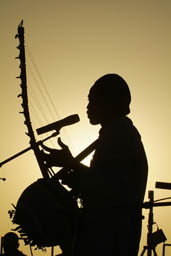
27	149
79	157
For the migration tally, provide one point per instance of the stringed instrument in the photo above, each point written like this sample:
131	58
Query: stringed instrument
46	213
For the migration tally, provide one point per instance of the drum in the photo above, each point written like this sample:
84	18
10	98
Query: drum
46	214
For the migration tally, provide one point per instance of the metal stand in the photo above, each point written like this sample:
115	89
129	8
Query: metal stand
150	247
164	246
153	238
27	149
147	248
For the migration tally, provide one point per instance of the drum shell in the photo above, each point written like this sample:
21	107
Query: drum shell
46	214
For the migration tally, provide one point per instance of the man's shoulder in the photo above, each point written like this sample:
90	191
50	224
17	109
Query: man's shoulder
120	130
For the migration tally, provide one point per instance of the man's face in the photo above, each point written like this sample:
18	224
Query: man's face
99	111
94	110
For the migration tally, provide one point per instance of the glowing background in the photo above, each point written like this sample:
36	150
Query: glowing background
73	43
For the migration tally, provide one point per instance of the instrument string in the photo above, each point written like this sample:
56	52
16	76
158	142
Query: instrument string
43	86
38	102
38	91
35	117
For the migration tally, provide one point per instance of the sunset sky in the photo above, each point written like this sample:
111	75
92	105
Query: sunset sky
69	45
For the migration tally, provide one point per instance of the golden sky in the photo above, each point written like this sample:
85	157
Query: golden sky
72	43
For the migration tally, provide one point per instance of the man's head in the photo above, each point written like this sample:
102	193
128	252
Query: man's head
109	98
10	241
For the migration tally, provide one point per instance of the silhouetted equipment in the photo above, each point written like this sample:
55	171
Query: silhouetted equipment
163	185
164	248
157	237
46	211
26	149
72	119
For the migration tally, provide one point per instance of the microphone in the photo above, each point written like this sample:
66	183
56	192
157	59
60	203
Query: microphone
59	124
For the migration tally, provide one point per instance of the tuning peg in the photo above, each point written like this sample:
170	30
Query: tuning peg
19	56
21	112
19	95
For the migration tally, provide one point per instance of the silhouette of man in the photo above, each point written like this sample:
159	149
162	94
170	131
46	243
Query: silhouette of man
10	244
113	187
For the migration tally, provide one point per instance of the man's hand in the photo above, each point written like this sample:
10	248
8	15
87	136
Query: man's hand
55	157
